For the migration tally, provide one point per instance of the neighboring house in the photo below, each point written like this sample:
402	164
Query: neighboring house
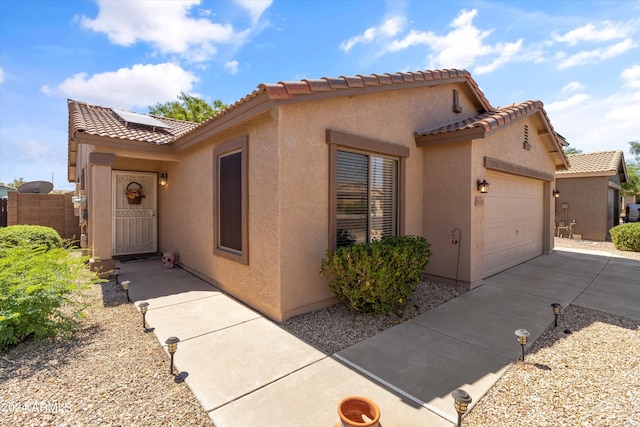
4	191
256	195
590	193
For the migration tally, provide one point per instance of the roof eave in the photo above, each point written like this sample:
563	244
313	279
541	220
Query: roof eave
450	137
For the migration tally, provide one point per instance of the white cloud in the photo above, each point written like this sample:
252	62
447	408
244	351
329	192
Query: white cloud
126	88
462	47
631	77
1	75
506	52
232	66
32	149
573	87
389	28
566	104
596	55
166	25
605	31
255	7
591	123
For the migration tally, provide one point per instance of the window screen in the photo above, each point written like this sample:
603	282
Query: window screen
230	201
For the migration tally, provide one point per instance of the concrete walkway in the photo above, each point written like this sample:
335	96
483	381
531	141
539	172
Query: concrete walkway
247	371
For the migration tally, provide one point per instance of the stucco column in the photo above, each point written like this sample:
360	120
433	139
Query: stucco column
99	204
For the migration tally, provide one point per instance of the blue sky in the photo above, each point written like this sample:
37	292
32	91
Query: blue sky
580	58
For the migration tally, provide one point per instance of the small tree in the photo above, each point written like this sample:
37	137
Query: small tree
572	150
632	186
189	108
15	183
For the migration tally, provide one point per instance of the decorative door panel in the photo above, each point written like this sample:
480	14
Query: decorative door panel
135	223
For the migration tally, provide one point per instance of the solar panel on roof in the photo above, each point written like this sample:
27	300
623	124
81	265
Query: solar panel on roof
140	119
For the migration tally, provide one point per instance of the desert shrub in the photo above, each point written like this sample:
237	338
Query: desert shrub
30	235
377	277
626	237
39	291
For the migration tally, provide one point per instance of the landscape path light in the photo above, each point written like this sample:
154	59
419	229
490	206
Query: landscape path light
461	401
116	275
522	335
172	346
144	306
125	286
556	310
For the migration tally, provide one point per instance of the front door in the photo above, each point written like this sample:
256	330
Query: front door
134	212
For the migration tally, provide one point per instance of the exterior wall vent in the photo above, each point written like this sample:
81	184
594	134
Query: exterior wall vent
525	143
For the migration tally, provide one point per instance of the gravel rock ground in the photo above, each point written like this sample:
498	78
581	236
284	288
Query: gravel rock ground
590	377
109	373
337	327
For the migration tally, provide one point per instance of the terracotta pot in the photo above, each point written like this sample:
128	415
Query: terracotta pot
358	411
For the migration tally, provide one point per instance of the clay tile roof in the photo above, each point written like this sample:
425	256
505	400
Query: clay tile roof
298	90
102	121
489	121
353	81
597	163
318	85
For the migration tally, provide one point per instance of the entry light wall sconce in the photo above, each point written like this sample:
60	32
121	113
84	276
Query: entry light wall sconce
162	178
483	186
461	402
556	193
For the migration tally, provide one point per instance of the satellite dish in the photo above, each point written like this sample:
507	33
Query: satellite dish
43	187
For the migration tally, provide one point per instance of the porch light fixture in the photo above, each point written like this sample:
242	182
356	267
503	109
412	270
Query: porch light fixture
162	180
483	186
522	335
125	286
556	310
461	401
144	306
556	193
172	346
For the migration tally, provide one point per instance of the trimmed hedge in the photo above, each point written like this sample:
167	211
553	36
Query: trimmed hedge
379	276
626	237
30	235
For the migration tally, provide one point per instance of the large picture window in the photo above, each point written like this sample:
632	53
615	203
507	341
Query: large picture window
366	188
230	172
366	197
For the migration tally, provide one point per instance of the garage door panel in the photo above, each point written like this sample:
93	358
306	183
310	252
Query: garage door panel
513	221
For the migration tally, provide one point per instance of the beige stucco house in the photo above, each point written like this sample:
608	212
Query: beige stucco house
253	197
590	193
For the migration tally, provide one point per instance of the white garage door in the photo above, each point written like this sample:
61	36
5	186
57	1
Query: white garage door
513	221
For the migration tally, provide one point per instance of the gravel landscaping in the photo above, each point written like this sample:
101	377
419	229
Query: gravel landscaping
109	373
589	377
113	373
337	327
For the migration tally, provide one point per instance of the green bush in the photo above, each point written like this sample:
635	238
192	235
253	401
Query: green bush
377	277
30	235
626	237
39	291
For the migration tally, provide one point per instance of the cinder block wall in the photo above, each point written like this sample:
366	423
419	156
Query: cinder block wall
51	210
